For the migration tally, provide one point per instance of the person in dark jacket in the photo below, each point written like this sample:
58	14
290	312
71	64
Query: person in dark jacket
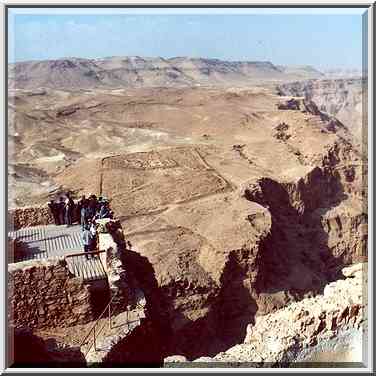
99	203
105	211
92	206
54	207
61	209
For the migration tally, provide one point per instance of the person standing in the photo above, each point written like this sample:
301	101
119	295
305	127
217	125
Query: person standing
84	216
69	210
79	206
55	211
61	209
93	230
105	211
87	239
92	207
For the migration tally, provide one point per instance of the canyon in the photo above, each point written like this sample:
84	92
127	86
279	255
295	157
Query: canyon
344	98
243	197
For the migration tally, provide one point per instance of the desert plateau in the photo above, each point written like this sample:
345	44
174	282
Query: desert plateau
240	189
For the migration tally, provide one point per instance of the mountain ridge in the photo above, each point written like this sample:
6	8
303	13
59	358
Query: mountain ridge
137	71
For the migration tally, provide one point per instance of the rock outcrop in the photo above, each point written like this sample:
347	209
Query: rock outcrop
301	329
314	231
343	98
279	337
232	210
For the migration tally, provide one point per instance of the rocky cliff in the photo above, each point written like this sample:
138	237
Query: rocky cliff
237	202
231	231
344	98
297	331
323	329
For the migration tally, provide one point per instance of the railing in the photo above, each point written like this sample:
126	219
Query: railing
84	253
97	332
93	328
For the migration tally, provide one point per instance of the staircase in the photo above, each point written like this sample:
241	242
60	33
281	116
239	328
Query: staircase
50	242
111	327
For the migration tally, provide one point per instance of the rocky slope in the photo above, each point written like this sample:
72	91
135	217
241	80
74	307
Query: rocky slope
135	71
237	201
344	98
327	328
230	230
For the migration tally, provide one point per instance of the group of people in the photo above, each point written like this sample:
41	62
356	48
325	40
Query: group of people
63	210
86	211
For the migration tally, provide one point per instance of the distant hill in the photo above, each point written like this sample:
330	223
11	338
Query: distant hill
135	71
336	73
300	71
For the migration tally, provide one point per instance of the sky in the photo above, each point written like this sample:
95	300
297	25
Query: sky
321	38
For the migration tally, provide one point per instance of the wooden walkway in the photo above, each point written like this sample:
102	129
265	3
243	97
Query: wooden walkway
48	242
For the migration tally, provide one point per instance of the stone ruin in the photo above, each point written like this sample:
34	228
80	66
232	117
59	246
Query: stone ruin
45	296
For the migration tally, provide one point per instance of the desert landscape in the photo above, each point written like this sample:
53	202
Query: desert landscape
242	186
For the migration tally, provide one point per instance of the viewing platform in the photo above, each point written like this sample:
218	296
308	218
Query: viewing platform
51	241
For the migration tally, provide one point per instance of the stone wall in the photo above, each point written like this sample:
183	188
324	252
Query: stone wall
45	294
29	216
111	240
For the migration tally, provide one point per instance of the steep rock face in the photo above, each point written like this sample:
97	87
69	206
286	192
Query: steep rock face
141	348
326	328
318	225
347	233
300	329
212	259
342	98
198	291
292	252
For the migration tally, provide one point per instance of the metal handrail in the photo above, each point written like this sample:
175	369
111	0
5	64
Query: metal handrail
137	306
108	307
83	253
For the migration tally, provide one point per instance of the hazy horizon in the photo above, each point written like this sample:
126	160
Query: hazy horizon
188	57
323	41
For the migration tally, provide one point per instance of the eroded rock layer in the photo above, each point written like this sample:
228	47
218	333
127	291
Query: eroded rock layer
237	202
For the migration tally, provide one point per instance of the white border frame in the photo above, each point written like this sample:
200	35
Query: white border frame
266	3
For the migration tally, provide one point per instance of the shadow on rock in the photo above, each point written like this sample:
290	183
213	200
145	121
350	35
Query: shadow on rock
295	257
146	345
33	351
99	296
236	308
230	309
